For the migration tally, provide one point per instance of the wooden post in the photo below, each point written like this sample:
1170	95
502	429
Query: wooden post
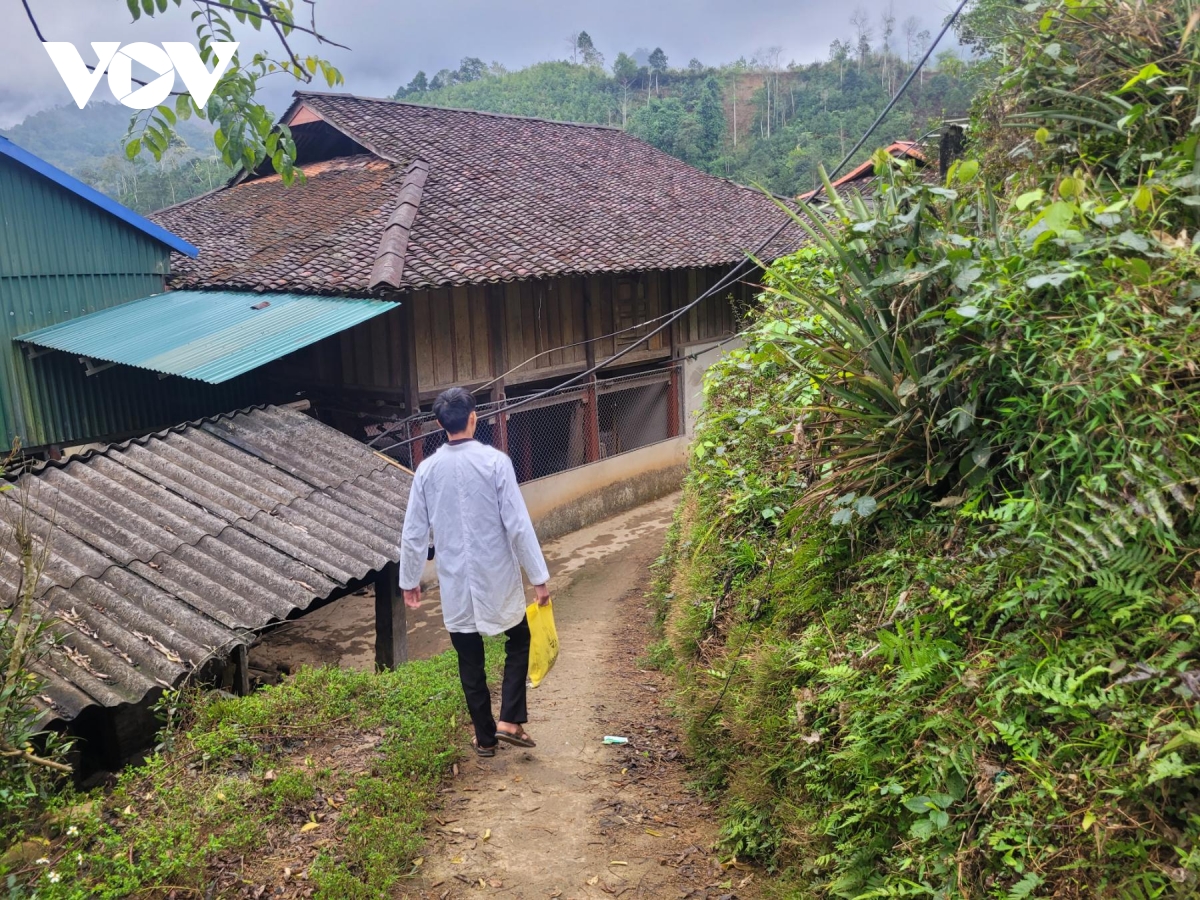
412	396
417	447
591	420
391	625
669	301
673	403
240	657
589	348
500	424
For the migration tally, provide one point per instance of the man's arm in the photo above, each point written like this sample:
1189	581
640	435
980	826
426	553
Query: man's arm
414	542
515	517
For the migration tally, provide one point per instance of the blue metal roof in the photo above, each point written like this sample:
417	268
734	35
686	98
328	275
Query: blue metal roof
210	336
90	194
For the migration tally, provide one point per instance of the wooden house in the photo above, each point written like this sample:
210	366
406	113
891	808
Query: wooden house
499	238
510	253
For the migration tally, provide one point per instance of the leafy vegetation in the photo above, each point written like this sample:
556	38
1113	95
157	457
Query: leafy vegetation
338	766
757	121
934	588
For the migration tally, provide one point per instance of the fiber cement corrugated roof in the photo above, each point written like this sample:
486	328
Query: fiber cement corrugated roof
165	551
210	336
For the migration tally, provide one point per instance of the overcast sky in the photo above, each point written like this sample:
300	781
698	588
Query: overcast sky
391	39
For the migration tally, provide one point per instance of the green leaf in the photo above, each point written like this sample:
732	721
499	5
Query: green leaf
135	9
922	829
1133	241
1059	216
968	170
1052	279
864	506
920	804
132	148
1029	198
1145	74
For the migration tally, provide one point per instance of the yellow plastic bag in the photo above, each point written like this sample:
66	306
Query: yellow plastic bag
543	641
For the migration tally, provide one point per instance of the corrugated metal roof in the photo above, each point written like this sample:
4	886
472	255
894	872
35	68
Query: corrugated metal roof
166	550
90	194
210	336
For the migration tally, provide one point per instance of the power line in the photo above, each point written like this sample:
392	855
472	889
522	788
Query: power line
735	272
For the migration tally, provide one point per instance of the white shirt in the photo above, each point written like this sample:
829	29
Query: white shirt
467	493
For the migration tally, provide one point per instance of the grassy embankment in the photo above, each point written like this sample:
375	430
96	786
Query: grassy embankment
932	594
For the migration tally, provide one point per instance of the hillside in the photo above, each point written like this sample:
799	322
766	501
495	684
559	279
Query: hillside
87	143
932	592
758	122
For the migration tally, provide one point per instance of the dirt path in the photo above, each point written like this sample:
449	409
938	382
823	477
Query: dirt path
576	818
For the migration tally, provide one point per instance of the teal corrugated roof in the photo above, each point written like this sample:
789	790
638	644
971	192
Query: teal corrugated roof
210	336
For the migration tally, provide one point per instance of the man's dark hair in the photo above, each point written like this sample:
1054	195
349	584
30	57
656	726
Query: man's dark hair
453	408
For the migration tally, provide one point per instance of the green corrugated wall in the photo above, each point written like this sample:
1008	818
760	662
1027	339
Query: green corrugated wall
60	258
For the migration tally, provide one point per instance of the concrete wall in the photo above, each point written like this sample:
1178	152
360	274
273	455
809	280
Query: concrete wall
693	382
568	501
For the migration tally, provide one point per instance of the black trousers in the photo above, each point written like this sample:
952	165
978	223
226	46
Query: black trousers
471	670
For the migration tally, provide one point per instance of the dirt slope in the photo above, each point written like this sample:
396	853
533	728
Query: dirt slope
576	818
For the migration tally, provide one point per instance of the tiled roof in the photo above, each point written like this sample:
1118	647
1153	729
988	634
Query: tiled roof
166	551
861	176
505	198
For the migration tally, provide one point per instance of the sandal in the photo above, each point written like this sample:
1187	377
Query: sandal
483	751
517	739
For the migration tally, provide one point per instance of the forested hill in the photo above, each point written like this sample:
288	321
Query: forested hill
87	143
762	121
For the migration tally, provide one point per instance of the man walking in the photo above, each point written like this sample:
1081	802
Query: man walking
467	493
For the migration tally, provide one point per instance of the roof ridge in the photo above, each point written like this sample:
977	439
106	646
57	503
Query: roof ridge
388	269
457	109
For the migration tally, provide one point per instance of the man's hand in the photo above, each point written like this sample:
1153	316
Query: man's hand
412	599
543	594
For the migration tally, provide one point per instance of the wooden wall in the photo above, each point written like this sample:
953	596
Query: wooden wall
469	335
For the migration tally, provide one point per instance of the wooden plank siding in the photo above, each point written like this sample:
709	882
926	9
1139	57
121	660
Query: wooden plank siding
454	341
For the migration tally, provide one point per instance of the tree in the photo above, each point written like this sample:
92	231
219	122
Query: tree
710	111
573	43
860	19
695	66
625	71
887	25
923	39
911	27
588	54
839	52
471	68
658	65
247	132
419	85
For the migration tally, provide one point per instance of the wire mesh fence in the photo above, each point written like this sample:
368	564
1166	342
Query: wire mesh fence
563	430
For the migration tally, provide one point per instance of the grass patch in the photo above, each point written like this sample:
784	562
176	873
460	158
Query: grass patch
329	775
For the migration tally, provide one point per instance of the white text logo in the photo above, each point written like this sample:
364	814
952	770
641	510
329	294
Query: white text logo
173	57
